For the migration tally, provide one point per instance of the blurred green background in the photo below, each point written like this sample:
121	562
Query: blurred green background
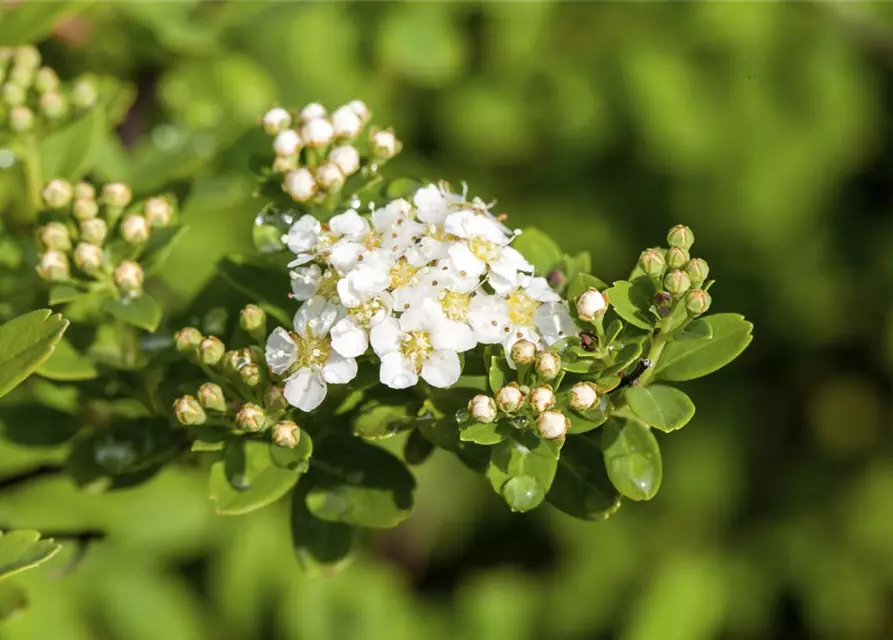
764	126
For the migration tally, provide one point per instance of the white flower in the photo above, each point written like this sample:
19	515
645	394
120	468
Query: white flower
317	132
350	335
313	111
418	344
591	303
300	184
346	158
302	238
287	142
276	119
310	281
346	122
307	357
359	107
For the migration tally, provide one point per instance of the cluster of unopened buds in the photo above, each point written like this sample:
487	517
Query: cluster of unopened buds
30	91
103	236
252	404
419	282
676	275
316	152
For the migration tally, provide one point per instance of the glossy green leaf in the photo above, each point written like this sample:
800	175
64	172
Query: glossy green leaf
142	312
581	487
72	151
690	359
159	247
321	546
522	468
358	483
632	458
665	408
698	329
67	364
246	478
623	358
24	549
607	384
631	302
498	373
582	283
485	434
376	421
539	249
293	458
417	448
583	421
25	343
257	279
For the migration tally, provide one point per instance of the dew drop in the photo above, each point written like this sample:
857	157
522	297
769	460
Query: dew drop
462	415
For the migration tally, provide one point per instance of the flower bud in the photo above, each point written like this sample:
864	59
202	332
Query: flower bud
697	302
284	164
556	279
234	360
53	105
21	119
286	434
590	304
14	95
251	418
680	236
135	229
329	176
54	235
187	340
359	107
346	158
26	56
274	399
158	211
541	398
85	190
211	350
300	184
287	142
317	132
83	93
663	301
275	120
510	398
253	319
583	396
523	352
88	257
129	277
346	122
548	365
46	80
313	111
85	209
57	193
21	76
697	271
652	263
52	266
116	194
677	257
250	374
384	144
552	425
94	231
211	397
482	409
677	283
189	412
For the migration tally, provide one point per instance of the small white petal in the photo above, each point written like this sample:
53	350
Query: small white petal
339	369
539	290
348	339
317	316
488	317
369	277
464	260
442	369
554	322
303	234
467	224
281	351
397	372
344	255
453	335
305	282
305	390
349	223
386	337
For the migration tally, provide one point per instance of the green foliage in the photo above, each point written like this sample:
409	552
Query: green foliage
25	343
21	550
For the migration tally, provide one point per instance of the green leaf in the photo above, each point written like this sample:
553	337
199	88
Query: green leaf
62	293
539	249
142	312
30	22
377	421
698	329
257	279
37	425
582	283
71	152
583	421
13	600
581	487
321	546
359	483
67	364
689	359
159	247
662	407
25	343
417	448
631	302
402	187
575	265
498	372
522	468
23	549
246	478
293	458
632	458
628	354
480	433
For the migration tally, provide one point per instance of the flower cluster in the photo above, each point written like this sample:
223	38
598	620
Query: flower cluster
419	281
103	235
30	89
321	151
676	275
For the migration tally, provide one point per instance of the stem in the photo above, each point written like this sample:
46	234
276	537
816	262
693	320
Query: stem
657	346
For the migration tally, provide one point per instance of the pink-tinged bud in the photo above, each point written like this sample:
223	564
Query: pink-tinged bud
677	283
21	119
697	271
677	257
384	144
697	302
85	190
590	304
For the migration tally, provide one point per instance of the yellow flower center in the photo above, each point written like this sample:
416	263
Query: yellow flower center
364	313
521	308
484	250
371	241
402	274
313	351
455	305
416	347
328	285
